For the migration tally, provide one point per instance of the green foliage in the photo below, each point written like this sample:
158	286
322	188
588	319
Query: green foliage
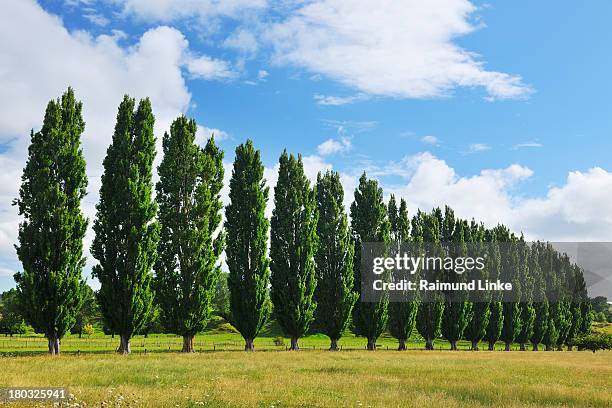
247	244
369	223
457	310
88	330
402	315
476	327
221	301
89	313
334	259
594	342
292	250
188	194
126	232
527	309
427	228
54	182
11	319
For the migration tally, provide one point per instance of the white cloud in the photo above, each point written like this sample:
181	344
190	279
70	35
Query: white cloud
205	67
170	10
97	19
401	49
242	40
340	100
204	133
429	139
479	147
578	210
333	146
528	145
262	74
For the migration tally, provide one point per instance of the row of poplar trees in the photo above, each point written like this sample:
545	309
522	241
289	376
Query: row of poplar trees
162	250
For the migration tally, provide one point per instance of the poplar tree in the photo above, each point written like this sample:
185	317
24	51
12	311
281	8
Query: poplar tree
540	324
457	310
429	315
54	182
496	319
578	289
126	232
402	314
511	264
334	260
292	250
188	194
247	244
476	328
369	224
527	311
547	263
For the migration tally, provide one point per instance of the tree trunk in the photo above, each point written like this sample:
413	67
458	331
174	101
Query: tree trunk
333	345
507	348
491	346
536	347
560	347
429	344
54	345
453	344
371	344
402	345
294	344
248	345
475	345
523	347
548	347
188	344
124	345
570	347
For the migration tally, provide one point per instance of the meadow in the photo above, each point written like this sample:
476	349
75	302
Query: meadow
220	374
310	378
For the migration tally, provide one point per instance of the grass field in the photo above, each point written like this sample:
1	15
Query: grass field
323	379
272	377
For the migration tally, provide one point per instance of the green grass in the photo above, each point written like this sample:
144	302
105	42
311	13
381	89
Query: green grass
323	378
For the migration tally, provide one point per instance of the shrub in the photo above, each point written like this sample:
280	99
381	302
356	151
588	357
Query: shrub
594	342
88	330
279	341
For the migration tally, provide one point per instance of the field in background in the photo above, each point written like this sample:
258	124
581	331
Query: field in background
220	336
323	379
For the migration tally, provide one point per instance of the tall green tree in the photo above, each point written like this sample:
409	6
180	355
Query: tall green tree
402	315
369	223
476	328
126	232
457	309
527	310
496	319
51	234
540	324
511	265
189	199
247	244
547	260
293	240
334	260
431	310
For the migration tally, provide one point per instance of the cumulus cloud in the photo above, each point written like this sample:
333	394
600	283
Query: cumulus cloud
205	67
401	49
578	210
333	146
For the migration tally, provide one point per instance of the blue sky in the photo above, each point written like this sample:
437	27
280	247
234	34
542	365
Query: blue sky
500	109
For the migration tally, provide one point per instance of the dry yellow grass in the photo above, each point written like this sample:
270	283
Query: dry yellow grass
324	379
